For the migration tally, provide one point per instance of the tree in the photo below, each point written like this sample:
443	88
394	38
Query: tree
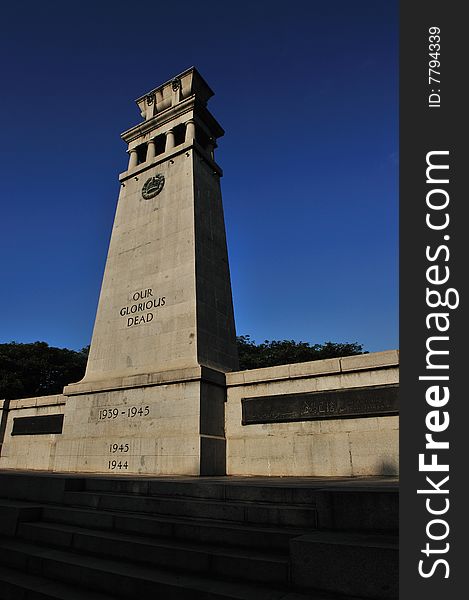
273	353
37	369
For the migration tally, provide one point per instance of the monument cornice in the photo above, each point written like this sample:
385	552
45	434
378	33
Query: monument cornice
187	106
171	377
160	119
187	71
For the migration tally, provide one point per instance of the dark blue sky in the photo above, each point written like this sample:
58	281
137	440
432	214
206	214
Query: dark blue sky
307	93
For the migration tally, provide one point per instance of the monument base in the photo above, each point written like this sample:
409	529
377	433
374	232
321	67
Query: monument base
166	423
158	424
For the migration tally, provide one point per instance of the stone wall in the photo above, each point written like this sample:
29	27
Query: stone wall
35	451
323	446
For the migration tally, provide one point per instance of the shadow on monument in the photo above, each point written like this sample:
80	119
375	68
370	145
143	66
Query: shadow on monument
388	468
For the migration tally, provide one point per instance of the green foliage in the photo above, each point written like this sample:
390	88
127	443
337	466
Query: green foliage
270	354
36	369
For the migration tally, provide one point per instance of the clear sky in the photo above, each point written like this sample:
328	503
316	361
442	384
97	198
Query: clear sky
307	92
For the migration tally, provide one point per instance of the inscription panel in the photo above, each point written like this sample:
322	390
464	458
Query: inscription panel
121	460
140	310
128	412
312	406
119	452
40	425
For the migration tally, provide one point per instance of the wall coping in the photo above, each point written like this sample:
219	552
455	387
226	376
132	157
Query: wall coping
316	368
37	401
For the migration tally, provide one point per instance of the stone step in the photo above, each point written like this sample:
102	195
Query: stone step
239	564
36	487
213	532
208	531
360	506
358	509
353	504
311	492
246	491
17	585
347	563
13	512
260	513
125	580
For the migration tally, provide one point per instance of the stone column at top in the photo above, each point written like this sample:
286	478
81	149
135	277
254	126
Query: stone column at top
190	131
151	150
133	160
169	140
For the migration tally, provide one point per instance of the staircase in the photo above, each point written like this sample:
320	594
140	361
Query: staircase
97	538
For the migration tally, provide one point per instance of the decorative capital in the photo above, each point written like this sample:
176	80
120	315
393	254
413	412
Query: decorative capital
150	99
176	84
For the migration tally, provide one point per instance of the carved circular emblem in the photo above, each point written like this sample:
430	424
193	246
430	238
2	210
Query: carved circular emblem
152	187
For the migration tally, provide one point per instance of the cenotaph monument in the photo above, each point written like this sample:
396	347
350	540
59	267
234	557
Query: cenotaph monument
152	399
162	393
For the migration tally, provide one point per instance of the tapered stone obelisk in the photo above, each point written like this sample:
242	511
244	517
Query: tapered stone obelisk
164	332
